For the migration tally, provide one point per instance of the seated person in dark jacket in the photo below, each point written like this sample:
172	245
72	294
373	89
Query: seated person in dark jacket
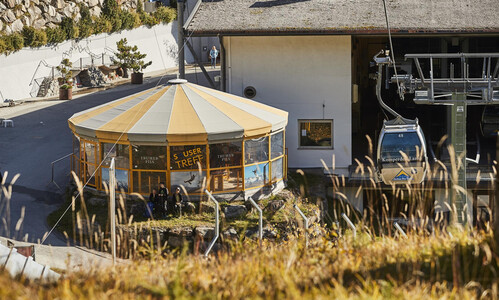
174	201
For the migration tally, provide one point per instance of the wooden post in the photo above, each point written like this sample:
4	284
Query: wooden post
112	207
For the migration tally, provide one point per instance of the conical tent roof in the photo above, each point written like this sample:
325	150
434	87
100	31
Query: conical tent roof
181	112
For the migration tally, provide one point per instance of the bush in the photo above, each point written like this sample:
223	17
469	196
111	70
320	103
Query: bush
14	42
102	25
68	26
110	9
148	20
55	35
140	7
165	14
3	46
33	37
127	20
85	26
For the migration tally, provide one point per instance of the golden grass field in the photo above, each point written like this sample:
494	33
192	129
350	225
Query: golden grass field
460	265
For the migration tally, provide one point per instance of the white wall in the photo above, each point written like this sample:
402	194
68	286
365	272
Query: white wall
18	69
298	74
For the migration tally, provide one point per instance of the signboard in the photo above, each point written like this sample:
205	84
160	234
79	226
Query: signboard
187	157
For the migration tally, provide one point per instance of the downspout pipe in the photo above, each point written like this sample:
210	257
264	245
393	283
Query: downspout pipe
180	39
223	63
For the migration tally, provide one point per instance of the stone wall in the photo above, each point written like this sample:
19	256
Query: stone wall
20	71
14	14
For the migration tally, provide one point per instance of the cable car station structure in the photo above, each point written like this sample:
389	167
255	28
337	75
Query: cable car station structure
456	86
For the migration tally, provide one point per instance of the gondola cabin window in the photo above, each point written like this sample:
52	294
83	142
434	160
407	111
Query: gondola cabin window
315	134
400	146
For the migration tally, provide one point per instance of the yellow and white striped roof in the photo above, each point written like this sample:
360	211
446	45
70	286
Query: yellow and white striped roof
178	113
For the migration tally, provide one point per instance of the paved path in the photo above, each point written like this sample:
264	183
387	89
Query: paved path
40	136
67	258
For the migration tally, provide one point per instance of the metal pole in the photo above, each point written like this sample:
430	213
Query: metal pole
458	140
305	219
350	224
112	207
180	38
260	219
217	228
399	229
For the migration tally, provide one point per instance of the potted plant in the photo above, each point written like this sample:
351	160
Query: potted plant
66	80
129	57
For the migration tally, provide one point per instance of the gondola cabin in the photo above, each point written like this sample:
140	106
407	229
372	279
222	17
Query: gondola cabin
402	152
490	121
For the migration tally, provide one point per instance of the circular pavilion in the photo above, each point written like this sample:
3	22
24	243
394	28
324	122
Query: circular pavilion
182	134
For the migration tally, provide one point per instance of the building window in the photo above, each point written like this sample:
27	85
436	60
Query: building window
316	134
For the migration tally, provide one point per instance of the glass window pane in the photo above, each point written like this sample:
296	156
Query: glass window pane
192	181
76	146
90	169
405	142
277	144
90	152
149	157
256	150
119	152
256	175
225	154
226	179
148	181
121	178
187	157
277	169
316	134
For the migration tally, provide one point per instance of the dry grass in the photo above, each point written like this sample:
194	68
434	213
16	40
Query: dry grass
440	266
434	261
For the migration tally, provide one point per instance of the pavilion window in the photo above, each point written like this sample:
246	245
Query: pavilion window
225	166
225	154
120	153
193	181
121	179
75	158
229	179
149	157
145	181
256	150
256	175
277	144
277	169
88	162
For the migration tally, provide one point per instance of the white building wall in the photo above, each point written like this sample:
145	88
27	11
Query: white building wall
308	76
18	69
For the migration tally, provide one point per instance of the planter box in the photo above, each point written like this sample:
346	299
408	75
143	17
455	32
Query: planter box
137	78
65	94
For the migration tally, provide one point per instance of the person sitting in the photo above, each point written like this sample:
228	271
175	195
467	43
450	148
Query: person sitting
175	201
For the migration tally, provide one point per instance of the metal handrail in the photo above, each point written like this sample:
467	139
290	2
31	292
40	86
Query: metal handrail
52	165
260	219
305	219
217	224
350	224
399	229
